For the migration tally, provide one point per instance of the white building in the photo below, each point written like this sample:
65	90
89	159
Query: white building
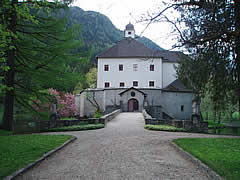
133	77
130	64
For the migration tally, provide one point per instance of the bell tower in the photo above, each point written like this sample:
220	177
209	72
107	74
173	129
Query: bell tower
129	31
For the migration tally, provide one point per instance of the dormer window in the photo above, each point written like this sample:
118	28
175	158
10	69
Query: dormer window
129	32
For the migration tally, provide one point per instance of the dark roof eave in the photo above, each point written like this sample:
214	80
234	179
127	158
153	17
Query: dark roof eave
131	89
129	57
179	91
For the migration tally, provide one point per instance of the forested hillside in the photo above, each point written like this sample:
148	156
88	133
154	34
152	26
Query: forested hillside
97	30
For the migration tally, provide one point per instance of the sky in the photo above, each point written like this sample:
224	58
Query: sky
121	12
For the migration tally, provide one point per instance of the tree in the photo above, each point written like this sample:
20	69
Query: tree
210	31
25	23
91	77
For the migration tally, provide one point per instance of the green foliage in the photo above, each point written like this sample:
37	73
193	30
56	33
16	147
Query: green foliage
211	37
20	150
164	128
225	117
5	132
91	77
1	114
224	131
98	31
212	124
68	119
97	114
77	128
220	154
46	53
236	115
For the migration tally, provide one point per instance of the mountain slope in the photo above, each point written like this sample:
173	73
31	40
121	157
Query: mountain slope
98	31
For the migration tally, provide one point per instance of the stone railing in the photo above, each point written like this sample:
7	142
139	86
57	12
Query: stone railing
147	117
108	117
191	125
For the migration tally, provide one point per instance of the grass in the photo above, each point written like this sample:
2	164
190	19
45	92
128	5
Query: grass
220	154
77	128
164	128
212	124
5	132
224	131
19	150
68	119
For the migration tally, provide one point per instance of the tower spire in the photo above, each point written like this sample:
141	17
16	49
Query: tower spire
129	31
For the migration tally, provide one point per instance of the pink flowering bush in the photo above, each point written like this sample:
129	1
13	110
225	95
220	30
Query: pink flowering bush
66	106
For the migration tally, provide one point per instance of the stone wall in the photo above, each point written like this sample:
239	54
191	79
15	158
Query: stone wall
178	105
27	126
190	125
36	126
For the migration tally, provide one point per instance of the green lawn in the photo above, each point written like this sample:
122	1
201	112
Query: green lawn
19	150
220	154
163	128
77	127
4	132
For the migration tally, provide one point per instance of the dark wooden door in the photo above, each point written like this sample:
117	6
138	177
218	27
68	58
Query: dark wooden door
132	105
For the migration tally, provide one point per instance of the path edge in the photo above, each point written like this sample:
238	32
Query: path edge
210	173
31	165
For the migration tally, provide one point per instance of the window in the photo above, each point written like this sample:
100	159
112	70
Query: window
120	67
106	84
135	83
151	67
106	67
135	67
129	32
133	94
151	83
182	107
121	84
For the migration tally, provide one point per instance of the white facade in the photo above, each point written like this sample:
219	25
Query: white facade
169	73
119	67
134	69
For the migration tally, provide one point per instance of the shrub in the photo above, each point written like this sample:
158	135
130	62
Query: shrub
97	114
66	106
164	128
77	128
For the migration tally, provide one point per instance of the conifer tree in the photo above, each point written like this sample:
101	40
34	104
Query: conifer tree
36	51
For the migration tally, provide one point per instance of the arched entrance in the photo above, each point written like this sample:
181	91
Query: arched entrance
133	105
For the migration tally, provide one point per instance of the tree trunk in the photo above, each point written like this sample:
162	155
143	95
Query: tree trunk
10	74
219	117
214	115
237	50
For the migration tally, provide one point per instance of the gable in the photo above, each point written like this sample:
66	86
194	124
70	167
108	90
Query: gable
134	89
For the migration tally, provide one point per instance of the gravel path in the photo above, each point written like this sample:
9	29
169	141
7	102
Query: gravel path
122	150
